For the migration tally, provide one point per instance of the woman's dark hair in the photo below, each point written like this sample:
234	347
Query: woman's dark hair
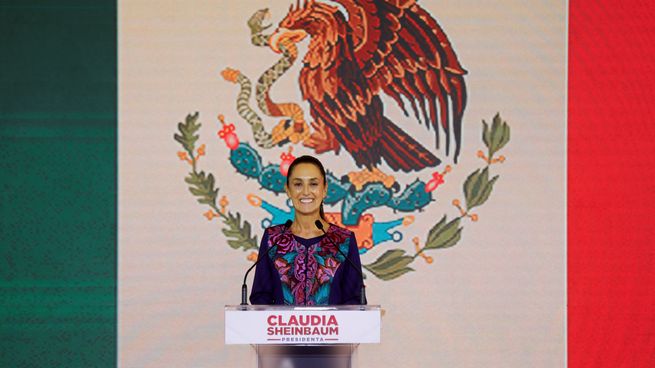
306	159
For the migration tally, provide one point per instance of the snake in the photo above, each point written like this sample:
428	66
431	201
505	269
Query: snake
263	138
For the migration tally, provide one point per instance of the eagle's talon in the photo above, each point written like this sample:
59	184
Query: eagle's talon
288	131
364	177
322	139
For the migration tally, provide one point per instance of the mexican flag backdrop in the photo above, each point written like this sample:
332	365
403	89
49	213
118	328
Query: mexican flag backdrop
529	244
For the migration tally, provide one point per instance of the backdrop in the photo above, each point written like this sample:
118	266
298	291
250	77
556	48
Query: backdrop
467	257
58	120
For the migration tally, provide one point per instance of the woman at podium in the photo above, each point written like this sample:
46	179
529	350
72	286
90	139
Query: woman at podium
308	261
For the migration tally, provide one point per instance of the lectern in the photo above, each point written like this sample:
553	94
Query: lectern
299	337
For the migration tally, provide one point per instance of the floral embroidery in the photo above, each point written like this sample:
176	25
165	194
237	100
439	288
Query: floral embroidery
326	273
283	268
306	272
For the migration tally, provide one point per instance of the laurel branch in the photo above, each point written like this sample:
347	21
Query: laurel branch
445	234
203	187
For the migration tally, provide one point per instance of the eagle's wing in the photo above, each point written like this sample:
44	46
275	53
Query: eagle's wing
340	97
342	104
402	51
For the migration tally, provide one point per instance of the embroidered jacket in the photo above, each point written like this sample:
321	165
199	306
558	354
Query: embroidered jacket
298	271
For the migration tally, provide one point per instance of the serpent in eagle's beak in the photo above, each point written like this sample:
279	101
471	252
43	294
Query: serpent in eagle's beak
283	35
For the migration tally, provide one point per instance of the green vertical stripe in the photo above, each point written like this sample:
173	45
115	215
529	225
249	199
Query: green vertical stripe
58	183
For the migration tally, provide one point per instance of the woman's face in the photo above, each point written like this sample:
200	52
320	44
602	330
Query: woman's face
306	188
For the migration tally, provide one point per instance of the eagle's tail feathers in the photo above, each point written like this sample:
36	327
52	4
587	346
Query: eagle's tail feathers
402	152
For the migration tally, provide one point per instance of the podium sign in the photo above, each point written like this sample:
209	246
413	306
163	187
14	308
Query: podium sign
295	325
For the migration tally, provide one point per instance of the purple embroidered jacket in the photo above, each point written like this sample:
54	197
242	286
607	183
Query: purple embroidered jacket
298	271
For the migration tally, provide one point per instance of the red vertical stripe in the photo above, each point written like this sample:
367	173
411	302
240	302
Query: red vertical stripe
611	195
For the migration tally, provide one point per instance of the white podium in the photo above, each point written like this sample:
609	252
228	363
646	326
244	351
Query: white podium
299	337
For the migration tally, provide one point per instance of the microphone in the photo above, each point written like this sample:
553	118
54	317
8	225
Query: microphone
244	287
362	295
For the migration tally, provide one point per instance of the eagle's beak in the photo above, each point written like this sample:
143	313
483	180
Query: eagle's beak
283	35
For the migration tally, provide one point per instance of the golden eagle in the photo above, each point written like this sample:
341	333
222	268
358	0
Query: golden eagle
395	47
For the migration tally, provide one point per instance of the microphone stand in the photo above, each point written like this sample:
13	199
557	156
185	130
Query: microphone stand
362	295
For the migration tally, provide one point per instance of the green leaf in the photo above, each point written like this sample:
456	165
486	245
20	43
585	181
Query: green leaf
196	191
478	187
473	185
484	193
206	200
496	137
392	264
238	234
446	236
192	179
485	133
390	258
469	184
188	137
234	244
434	232
394	274
452	241
203	187
505	136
